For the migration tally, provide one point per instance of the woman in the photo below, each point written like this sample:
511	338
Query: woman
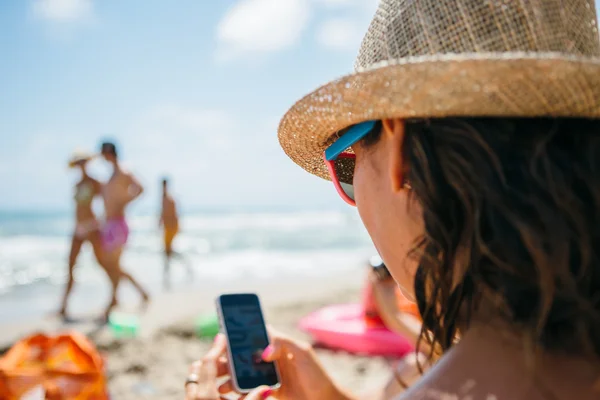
86	224
475	167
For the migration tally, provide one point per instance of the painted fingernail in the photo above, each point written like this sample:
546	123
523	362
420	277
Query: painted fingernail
267	393
217	338
266	355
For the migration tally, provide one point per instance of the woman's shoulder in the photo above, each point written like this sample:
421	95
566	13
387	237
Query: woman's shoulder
94	183
457	383
433	383
483	372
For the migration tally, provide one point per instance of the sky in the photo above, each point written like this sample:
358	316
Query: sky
192	90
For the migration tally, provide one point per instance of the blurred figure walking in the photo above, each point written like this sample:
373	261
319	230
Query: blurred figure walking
87	228
169	222
121	189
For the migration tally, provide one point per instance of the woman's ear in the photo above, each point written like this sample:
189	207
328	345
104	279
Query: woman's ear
393	131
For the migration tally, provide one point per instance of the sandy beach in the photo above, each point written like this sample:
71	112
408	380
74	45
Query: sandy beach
155	364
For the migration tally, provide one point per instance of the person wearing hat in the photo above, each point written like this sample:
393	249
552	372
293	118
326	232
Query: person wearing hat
86	224
469	140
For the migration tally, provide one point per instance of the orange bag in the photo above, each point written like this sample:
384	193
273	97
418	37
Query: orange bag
67	366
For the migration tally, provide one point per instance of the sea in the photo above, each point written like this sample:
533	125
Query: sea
218	246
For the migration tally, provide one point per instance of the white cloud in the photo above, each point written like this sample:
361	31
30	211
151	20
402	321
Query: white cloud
340	34
63	10
261	26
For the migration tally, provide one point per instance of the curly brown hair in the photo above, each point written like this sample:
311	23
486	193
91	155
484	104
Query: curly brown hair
511	208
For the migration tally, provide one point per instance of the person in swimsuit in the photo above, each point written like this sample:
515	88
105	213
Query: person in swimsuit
169	222
400	315
384	302
121	189
86	224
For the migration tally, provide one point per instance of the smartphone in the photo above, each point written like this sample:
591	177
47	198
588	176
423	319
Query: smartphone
243	324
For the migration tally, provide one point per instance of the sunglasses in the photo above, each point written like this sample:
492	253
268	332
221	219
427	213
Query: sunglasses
340	163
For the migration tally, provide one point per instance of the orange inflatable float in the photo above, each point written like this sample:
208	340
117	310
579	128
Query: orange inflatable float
66	366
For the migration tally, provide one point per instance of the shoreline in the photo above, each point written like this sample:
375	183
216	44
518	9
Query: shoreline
169	308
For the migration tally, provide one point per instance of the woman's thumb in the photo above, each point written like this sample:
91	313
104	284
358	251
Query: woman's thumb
279	346
260	393
271	352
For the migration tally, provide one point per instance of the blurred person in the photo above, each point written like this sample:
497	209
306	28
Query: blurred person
87	227
169	222
121	189
468	138
384	302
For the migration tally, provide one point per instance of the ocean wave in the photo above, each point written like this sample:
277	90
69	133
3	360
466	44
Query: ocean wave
231	246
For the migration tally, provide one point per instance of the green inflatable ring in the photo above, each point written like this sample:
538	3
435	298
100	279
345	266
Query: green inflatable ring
124	325
207	326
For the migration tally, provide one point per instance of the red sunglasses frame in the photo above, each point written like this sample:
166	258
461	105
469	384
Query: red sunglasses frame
336	180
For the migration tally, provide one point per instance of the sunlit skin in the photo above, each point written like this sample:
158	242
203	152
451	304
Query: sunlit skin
169	219
120	190
169	223
83	210
392	219
84	214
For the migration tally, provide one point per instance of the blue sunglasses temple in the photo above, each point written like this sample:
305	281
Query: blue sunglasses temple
354	134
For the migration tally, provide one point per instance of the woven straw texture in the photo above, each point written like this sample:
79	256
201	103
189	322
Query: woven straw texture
78	156
439	58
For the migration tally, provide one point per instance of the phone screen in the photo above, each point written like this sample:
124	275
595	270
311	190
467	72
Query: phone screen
245	327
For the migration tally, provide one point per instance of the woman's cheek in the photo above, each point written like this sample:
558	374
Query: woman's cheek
357	182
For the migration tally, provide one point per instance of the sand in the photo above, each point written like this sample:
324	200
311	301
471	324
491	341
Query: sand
154	365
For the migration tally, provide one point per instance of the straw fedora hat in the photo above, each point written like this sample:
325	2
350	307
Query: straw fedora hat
80	156
440	58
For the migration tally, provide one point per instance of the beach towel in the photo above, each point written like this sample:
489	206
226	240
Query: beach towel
66	366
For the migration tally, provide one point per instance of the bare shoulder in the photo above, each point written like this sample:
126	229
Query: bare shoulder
125	172
96	184
454	377
473	381
126	175
427	392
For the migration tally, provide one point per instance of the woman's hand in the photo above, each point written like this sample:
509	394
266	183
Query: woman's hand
302	375
203	381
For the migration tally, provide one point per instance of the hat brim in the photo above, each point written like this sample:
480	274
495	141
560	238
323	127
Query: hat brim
75	160
492	85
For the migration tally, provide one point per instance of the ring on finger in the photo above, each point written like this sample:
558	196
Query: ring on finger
192	378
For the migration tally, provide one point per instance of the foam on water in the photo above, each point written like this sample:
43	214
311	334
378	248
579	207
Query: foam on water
224	246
